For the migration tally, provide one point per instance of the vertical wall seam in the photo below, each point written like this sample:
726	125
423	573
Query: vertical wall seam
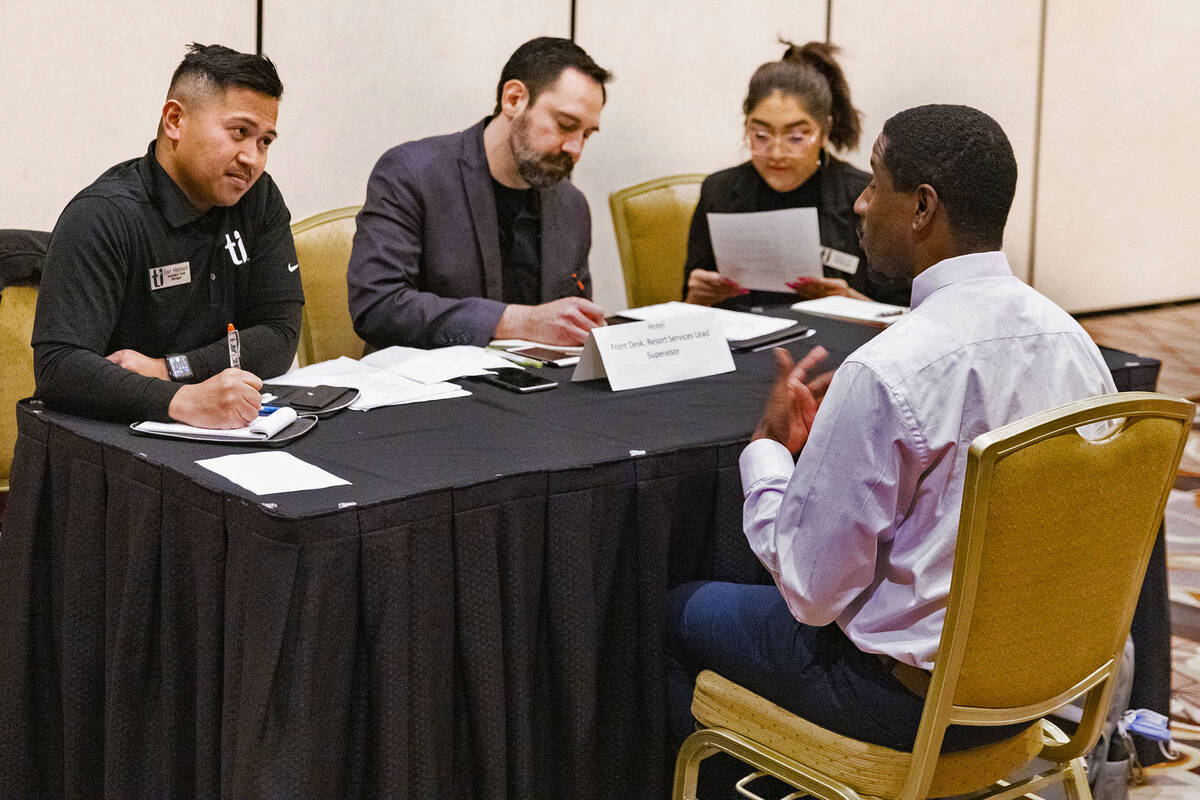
573	9
1037	143
828	21
258	27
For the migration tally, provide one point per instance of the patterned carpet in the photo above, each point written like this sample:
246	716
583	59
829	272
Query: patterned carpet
1180	779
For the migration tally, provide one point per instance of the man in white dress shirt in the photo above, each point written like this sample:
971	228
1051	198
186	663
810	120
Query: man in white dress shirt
859	532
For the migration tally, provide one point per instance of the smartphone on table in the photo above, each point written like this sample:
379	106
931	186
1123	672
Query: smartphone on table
555	358
517	380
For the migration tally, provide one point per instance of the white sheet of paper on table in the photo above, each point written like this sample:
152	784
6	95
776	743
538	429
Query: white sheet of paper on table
767	249
271	472
436	366
377	387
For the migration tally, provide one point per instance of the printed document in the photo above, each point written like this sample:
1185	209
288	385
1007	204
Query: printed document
767	249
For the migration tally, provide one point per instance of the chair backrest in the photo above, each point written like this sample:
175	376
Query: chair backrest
1054	537
17	306
323	248
651	221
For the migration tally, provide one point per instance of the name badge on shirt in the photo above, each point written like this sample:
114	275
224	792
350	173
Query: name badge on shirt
839	260
170	275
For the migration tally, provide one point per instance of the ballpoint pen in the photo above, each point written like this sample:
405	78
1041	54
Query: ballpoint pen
235	347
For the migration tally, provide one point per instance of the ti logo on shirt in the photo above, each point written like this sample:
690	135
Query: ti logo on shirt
235	246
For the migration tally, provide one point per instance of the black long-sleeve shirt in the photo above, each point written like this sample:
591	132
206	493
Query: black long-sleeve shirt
133	265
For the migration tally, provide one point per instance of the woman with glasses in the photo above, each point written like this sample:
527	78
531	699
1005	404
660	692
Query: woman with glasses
795	109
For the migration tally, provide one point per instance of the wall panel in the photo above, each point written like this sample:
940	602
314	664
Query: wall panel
362	77
681	70
83	86
904	53
1116	207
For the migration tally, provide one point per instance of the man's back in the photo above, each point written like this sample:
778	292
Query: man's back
885	462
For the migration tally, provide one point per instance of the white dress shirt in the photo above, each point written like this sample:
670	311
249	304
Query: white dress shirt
861	530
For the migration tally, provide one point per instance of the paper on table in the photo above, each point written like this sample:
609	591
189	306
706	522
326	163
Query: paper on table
516	344
261	428
767	249
271	472
435	366
851	308
735	325
376	387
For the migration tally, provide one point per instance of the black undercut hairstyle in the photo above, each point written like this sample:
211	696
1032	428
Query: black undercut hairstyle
811	74
964	155
214	67
539	62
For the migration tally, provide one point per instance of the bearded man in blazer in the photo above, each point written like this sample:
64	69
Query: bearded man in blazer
477	235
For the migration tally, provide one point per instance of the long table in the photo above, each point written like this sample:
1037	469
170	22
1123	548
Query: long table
479	614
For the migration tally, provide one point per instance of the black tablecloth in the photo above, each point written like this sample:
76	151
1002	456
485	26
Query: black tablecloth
479	614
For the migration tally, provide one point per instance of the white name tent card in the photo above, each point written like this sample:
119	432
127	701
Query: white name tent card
735	325
647	353
767	249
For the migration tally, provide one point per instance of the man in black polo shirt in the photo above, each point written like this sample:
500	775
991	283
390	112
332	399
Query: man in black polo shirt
149	265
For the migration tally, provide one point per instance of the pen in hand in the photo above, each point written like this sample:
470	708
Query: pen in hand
235	347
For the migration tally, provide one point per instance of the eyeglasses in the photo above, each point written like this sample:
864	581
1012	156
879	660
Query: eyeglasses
792	143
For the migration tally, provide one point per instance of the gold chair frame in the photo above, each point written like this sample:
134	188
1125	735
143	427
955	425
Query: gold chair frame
16	365
646	284
1015	646
319	291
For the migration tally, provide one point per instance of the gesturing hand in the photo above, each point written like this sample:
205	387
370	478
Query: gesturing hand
794	399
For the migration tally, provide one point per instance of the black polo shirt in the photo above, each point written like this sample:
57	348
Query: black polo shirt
132	264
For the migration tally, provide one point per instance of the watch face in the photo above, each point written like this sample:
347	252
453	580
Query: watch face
178	367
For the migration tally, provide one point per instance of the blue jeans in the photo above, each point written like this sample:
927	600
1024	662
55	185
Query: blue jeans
748	635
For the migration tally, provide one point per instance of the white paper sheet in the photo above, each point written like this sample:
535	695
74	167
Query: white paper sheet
736	325
376	387
515	344
851	308
271	472
435	366
767	249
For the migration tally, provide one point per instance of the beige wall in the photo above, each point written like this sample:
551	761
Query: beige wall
981	53
364	76
1117	200
83	83
81	87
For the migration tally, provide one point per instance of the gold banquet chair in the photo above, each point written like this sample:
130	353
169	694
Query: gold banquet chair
17	305
1053	541
323	249
651	221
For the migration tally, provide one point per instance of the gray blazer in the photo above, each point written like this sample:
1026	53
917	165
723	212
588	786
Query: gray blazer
425	269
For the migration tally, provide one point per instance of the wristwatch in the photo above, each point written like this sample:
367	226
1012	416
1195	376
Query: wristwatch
178	367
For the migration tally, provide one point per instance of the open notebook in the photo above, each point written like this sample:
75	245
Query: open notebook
273	430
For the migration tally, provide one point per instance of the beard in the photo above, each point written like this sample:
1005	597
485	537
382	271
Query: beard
539	170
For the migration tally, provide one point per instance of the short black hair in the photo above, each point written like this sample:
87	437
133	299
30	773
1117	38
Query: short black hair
216	67
539	62
964	155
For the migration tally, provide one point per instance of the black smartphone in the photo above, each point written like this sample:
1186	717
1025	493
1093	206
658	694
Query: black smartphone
555	358
517	380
